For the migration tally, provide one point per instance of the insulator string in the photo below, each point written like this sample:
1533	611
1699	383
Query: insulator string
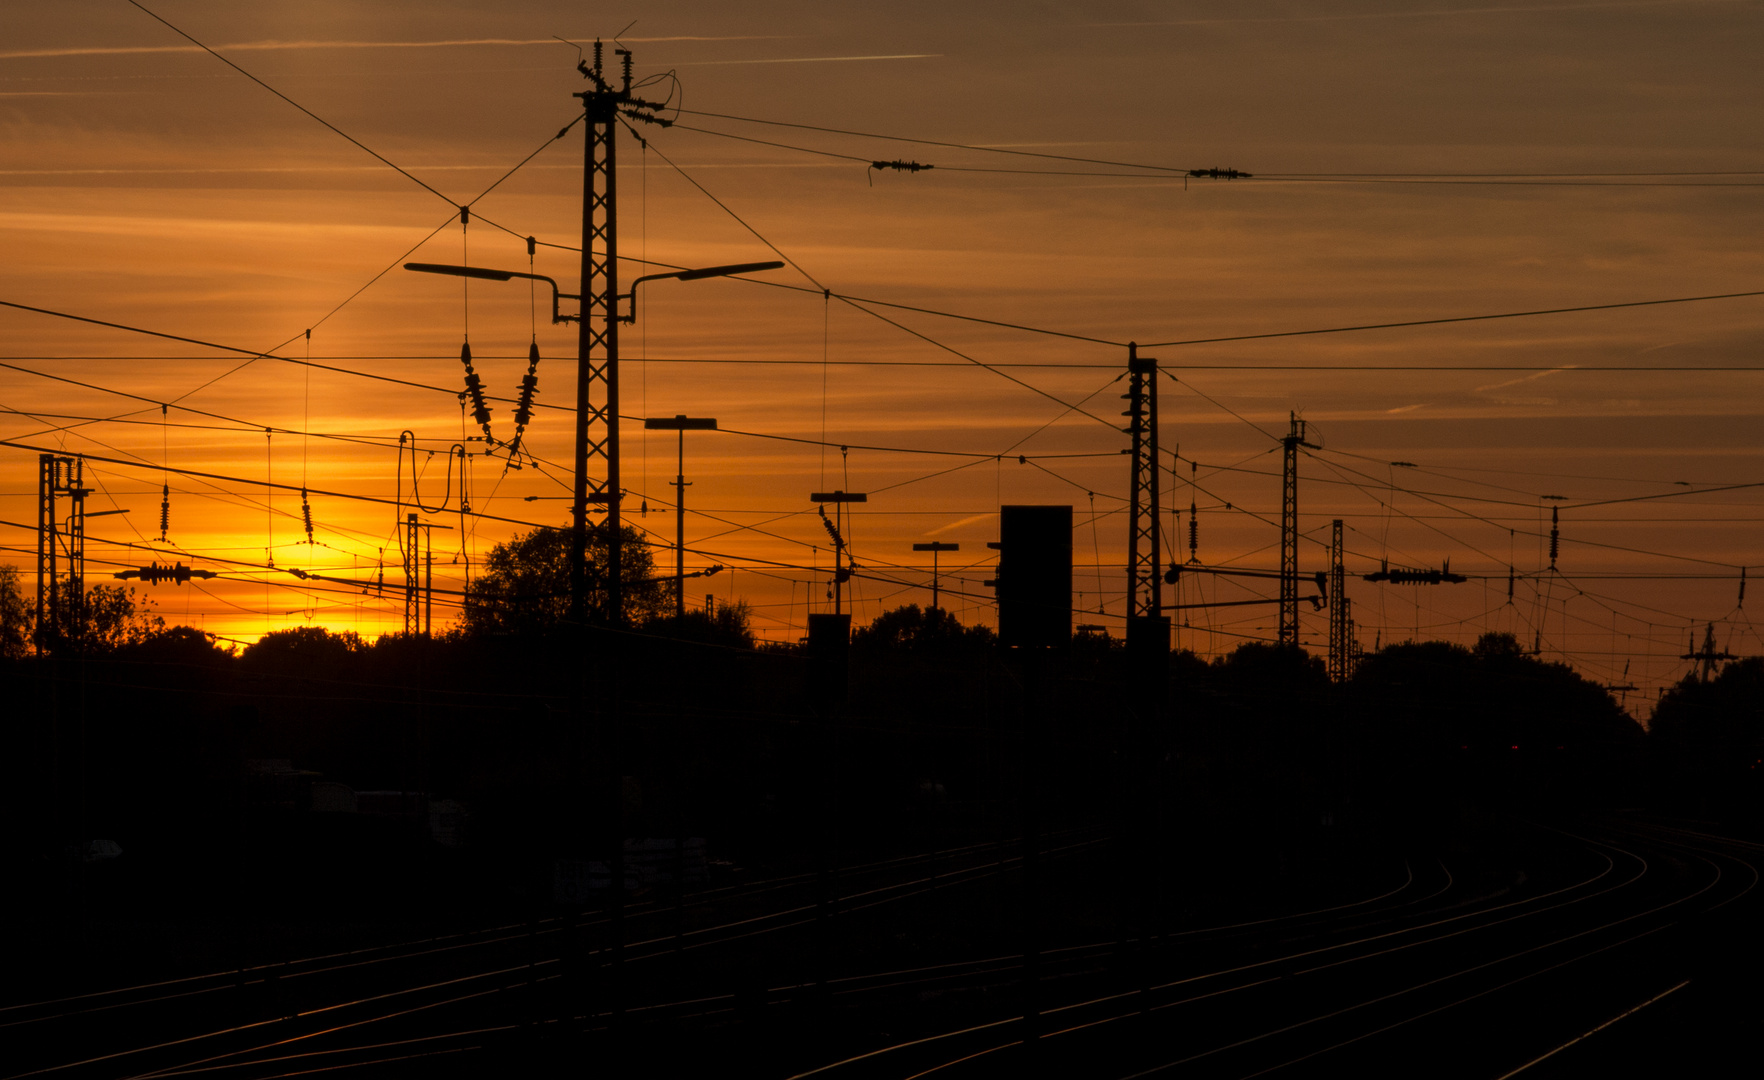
165	480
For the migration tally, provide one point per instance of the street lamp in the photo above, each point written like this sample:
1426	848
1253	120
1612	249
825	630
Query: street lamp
934	547
694	275
681	424
579	522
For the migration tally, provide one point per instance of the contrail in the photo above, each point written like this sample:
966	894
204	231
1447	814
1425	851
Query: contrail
1523	379
958	524
812	59
273	46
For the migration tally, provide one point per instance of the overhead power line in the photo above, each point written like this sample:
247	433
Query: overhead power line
1458	319
1583	178
260	483
400	170
1065	365
828	293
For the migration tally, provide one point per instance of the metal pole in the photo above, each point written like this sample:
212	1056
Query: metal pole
1289	628
934	547
615	536
46	541
597	427
934	579
584	367
428	582
412	608
680	532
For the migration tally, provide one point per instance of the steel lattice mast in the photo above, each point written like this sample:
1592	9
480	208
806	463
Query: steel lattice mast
1340	629
1145	581
60	607
1289	627
597	342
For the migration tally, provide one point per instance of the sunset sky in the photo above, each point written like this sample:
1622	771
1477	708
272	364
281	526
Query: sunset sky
1411	162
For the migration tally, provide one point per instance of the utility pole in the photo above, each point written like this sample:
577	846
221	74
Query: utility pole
1289	598
419	600
1145	582
59	607
597	340
841	572
934	547
682	424
413	612
428	582
1148	657
597	324
1708	656
1340	662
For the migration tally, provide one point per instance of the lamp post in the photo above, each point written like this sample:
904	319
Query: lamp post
580	499
934	547
681	424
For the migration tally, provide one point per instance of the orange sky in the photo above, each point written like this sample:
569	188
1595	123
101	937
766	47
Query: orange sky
146	183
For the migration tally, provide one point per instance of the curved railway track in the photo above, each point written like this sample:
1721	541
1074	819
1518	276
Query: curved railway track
1429	971
169	1027
1507	982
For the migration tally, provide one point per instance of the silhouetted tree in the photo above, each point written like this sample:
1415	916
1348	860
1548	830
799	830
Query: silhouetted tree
729	625
15	615
106	618
1095	644
1496	719
921	631
306	649
525	586
1259	668
176	645
1707	739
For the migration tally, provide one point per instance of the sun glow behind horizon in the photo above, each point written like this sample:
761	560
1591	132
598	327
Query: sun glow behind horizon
137	194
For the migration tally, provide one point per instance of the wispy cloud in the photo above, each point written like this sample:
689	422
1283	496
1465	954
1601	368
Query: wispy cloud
1405	408
277	46
1523	379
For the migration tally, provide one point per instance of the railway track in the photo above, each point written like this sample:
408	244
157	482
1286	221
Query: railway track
1517	977
508	970
1504	981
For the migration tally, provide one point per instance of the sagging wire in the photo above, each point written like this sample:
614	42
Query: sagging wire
416	498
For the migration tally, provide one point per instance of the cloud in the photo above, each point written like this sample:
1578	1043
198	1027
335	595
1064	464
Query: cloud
1405	408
